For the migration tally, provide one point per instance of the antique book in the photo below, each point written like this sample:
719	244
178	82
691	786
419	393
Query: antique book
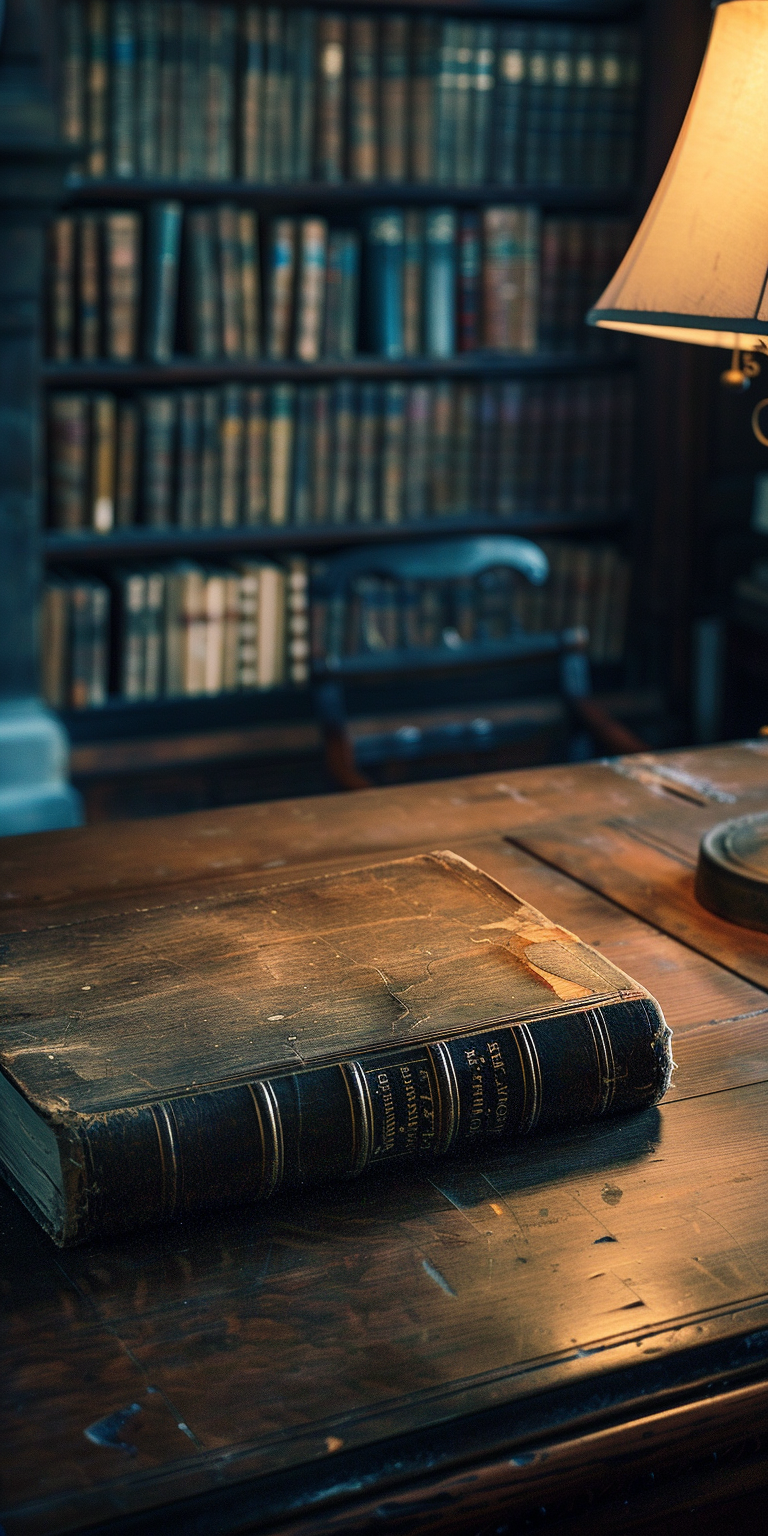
217	1048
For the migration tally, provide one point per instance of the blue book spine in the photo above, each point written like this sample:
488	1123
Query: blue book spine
386	244
162	279
440	283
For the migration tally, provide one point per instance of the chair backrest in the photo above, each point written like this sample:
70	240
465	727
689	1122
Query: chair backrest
434	560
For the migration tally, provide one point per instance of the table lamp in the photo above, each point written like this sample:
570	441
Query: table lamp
697	271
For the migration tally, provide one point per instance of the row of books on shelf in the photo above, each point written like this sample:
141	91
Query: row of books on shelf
187	630
435	282
346	453
281	94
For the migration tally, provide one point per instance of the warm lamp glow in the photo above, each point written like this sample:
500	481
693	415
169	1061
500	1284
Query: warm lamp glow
697	269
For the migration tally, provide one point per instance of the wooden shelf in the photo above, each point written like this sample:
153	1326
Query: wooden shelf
89	548
329	196
103	374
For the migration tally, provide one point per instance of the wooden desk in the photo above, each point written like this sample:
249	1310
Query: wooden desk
579	1326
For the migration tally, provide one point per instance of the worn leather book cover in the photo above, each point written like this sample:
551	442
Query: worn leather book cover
216	1049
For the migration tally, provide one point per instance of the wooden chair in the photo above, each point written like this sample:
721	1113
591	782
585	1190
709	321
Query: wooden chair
449	559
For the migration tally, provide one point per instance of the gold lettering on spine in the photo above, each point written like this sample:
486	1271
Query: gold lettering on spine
271	1130
531	1068
606	1066
162	1114
502	1084
448	1094
412	1109
362	1113
477	1104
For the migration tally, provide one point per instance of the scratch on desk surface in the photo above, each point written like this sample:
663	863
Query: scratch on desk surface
434	1274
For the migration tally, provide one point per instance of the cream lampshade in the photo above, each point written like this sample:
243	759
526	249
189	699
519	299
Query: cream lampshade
697	269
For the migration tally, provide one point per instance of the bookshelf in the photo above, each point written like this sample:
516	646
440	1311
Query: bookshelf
619	520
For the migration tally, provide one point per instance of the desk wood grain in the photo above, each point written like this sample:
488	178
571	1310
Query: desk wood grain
438	1350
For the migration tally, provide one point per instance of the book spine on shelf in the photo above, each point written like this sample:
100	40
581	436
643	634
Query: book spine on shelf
273	89
252	94
487	448
73	119
255	488
392	452
232	432
122	251
393	100
270	644
127	468
385	251
368	453
413	281
288	98
578	159
416	478
169	89
215	611
250	281
281	429
162	279
423	99
322	455
469	269
132	599
538	93
202	266
561	69
158	424
123	88
304	94
54	648
103	463
190	149
97	86
209	463
68	456
342	480
148	45
313	244
230	279
363	98
282	269
297	620
465	442
61	303
441	487
301	488
484	72
89	286
189	456
463	103
220	40
331	47
440	282
509	105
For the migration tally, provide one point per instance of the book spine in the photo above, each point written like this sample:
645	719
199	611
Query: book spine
250	279
270	643
256	456
422	100
154	634
273	89
463	103
469	266
464	450
209	468
342	482
188	500
313	243
282	267
122	241
416	485
252	95
89	285
132	597
191	98
579	157
123	88
204	284
487	448
281	427
392	449
323	455
482	102
68	457
148	87
385	242
61	303
510	422
441	488
297	620
54	658
164	240
103	463
368	454
232	429
215	600
229	660
97	86
73	73
440	282
418	1100
168	114
413	282
220	38
445	102
159	422
561	69
304	94
363	99
230	279
331	46
349	286
301	489
127	471
509	109
537	107
287	128
502	278
394	103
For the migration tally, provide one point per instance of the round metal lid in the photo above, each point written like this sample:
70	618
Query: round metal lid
732	871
